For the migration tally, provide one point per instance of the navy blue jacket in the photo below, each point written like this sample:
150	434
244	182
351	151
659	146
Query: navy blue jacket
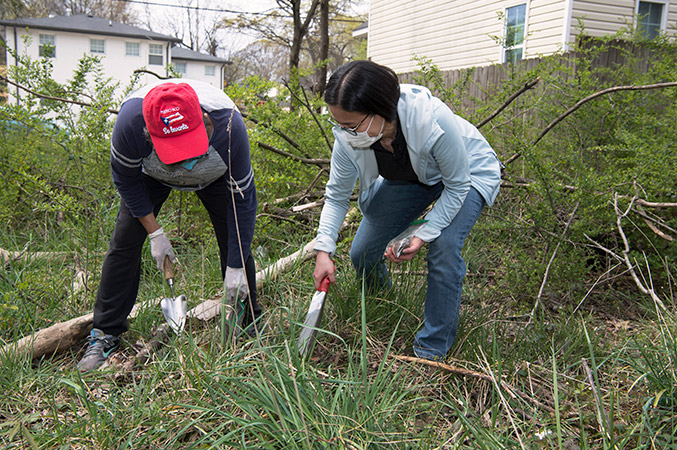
132	154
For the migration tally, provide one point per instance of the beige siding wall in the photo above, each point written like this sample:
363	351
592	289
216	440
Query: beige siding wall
601	17
546	23
672	19
452	33
456	33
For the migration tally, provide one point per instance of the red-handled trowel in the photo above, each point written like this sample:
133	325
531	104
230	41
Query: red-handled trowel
174	309
312	322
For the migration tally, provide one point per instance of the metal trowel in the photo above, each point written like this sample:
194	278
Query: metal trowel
313	317
174	309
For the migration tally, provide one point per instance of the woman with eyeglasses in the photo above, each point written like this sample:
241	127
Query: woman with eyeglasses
409	151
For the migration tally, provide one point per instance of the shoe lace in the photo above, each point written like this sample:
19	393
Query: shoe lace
96	346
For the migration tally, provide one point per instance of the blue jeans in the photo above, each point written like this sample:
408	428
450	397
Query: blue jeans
395	205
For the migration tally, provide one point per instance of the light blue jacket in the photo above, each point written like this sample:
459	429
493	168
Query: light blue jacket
442	147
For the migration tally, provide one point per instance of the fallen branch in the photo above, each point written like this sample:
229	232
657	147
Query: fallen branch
307	105
601	414
299	208
642	202
654	225
312	184
626	251
80	278
285	218
513	391
64	335
60	336
298	197
23	256
285	213
277	131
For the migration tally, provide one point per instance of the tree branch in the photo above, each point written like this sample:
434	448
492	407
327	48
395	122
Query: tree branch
552	258
528	85
306	104
318	162
49	97
277	131
584	101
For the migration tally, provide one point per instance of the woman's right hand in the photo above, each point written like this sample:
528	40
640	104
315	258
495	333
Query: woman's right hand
324	267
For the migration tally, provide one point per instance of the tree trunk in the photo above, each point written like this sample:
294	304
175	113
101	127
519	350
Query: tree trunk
324	48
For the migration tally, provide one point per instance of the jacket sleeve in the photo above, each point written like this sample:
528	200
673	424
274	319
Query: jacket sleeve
451	156
342	177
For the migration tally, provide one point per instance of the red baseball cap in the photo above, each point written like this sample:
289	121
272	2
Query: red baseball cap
174	120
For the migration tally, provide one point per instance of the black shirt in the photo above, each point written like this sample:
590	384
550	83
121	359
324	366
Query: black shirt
395	165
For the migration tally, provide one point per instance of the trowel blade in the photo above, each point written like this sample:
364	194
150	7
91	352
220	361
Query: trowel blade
313	318
175	311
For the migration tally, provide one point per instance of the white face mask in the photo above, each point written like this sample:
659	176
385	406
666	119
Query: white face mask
361	139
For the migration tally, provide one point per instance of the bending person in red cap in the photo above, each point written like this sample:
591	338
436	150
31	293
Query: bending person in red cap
185	135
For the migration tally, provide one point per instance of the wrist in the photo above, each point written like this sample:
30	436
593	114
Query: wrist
156	233
322	256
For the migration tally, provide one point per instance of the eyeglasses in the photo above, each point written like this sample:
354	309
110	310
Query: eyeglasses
351	130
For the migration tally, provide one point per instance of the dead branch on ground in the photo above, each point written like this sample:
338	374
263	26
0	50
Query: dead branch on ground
23	256
620	215
513	391
60	336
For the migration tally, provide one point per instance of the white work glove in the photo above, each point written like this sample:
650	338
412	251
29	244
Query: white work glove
235	290
160	247
235	284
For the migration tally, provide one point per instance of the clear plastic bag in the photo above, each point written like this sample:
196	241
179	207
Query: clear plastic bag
402	240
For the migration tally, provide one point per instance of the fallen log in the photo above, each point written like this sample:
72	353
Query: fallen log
11	256
60	336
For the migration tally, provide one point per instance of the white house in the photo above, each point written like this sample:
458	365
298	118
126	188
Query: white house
198	66
457	34
122	48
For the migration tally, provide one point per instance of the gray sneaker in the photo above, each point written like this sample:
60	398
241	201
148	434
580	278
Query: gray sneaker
101	346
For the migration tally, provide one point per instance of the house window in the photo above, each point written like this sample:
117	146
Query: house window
514	32
47	47
210	71
180	67
96	45
650	19
155	54
132	49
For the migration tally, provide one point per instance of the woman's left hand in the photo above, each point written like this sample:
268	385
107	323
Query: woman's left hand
408	253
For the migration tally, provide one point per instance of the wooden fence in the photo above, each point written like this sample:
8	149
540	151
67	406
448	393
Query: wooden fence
479	84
